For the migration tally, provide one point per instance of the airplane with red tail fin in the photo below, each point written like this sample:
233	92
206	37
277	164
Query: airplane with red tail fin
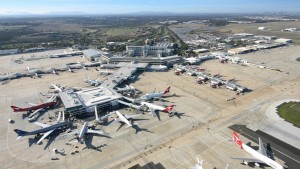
259	157
155	95
51	102
154	108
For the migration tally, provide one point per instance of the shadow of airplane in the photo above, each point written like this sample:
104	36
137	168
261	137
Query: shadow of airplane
122	124
269	151
179	115
31	141
89	145
138	129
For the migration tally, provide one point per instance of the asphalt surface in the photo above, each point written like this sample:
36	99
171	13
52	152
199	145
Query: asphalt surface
287	153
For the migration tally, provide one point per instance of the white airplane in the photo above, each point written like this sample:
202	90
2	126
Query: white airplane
125	89
84	130
69	69
54	72
46	129
155	95
35	72
192	60
56	88
104	72
260	156
92	82
31	116
153	108
124	119
199	165
83	65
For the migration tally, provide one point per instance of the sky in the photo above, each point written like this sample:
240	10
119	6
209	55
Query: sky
133	6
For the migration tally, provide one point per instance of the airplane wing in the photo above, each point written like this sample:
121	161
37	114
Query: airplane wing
41	124
44	136
121	125
35	112
152	111
114	121
31	104
262	149
250	160
131	115
94	131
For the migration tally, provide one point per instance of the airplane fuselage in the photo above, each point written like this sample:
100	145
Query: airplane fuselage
83	131
123	119
151	96
153	106
46	129
261	157
43	105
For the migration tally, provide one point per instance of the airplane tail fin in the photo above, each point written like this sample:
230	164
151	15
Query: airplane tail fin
20	132
168	109
167	90
15	108
237	139
200	162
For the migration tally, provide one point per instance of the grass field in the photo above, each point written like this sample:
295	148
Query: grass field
274	29
120	31
290	112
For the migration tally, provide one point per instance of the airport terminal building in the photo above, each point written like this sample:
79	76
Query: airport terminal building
85	101
159	50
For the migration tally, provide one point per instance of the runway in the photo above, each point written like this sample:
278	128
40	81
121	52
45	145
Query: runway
287	153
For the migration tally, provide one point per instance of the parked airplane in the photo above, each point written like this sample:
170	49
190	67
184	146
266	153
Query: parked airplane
83	65
260	156
56	88
124	119
155	95
35	72
92	82
84	130
199	165
69	69
32	116
49	103
125	89
54	72
153	108
104	72
46	129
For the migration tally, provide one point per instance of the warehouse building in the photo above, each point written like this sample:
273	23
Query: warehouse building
94	55
283	40
9	51
242	50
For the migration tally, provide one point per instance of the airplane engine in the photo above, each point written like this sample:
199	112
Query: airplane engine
256	164
245	162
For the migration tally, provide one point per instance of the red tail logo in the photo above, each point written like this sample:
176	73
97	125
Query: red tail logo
167	90
15	108
170	108
237	139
